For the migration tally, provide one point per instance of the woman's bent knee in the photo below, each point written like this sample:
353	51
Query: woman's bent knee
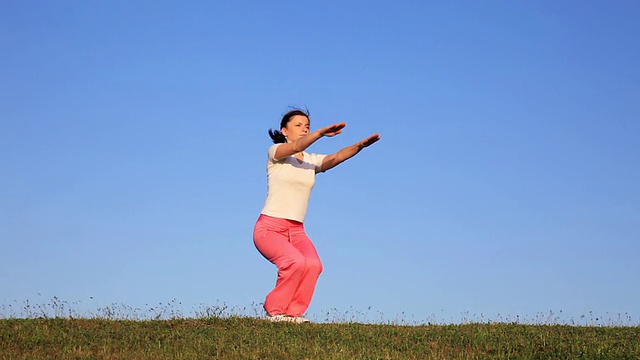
314	266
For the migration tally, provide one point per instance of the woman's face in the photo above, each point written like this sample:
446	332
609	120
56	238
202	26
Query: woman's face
296	128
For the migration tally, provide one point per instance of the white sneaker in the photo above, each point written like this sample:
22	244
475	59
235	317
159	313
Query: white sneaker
278	318
300	320
287	318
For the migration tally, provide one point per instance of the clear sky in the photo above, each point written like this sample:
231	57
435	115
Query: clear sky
133	144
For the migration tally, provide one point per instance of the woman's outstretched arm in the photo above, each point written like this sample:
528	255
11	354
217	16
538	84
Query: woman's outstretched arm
304	142
333	160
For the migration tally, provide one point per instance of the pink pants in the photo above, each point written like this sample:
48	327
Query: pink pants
285	244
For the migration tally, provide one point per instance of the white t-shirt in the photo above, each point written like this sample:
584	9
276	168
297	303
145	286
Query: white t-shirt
289	184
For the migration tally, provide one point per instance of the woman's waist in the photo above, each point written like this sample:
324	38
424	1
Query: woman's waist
278	223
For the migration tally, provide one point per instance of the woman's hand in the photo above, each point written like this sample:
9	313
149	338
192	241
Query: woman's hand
369	141
333	130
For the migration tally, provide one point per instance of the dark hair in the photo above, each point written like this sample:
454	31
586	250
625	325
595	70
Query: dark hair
276	135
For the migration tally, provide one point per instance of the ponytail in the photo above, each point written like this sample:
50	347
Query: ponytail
277	136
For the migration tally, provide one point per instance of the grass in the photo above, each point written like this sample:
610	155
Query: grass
250	338
50	332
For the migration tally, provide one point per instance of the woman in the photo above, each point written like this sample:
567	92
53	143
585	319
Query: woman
279	233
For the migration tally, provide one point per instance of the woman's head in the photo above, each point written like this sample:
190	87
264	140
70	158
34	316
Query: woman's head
293	125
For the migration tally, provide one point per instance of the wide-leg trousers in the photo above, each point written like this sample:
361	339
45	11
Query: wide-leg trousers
285	244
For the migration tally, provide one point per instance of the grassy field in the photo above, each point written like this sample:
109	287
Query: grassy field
239	337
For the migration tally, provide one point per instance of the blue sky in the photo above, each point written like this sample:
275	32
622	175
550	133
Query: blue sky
133	139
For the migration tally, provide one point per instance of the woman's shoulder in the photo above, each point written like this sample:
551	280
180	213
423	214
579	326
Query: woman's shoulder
313	154
315	159
272	148
272	152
